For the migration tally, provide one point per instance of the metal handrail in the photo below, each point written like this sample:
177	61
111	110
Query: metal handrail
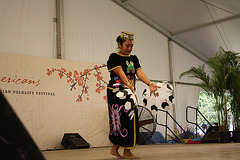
166	125
197	111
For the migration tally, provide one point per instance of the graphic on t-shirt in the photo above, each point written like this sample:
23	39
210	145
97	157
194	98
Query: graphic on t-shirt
131	79
130	67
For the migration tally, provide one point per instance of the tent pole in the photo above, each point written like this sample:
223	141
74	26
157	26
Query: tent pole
172	75
60	30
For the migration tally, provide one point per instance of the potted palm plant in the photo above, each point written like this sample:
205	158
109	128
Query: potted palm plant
234	88
221	83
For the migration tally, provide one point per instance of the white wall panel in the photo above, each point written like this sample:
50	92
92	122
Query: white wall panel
186	95
27	27
183	60
92	26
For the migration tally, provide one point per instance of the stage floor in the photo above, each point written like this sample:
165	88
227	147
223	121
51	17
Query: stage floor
209	151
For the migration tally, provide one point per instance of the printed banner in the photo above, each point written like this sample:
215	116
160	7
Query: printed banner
53	97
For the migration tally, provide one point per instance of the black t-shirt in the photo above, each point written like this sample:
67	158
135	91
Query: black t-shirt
129	64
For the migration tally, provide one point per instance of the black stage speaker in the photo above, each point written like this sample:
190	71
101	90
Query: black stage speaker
15	141
74	141
212	135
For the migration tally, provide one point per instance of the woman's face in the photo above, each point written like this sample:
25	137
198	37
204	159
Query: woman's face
126	47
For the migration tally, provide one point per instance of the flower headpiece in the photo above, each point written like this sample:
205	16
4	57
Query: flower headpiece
127	35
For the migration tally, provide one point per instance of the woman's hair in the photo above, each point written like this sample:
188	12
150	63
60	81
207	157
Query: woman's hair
120	40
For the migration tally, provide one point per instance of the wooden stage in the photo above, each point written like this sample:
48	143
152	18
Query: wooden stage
207	151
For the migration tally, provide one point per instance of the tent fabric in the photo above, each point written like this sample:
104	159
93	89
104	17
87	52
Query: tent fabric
26	29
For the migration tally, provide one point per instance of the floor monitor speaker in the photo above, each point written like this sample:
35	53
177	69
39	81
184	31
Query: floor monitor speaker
74	141
212	135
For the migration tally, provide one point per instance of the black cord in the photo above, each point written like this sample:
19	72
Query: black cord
220	8
215	24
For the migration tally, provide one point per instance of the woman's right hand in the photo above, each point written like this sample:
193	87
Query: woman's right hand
132	89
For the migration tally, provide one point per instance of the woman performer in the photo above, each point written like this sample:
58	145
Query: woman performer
123	67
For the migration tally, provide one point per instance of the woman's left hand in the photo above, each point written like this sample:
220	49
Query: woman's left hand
153	88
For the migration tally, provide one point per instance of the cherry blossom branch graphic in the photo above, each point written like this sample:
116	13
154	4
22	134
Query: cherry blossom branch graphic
80	79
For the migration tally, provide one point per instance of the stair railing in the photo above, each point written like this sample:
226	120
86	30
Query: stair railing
166	125
195	123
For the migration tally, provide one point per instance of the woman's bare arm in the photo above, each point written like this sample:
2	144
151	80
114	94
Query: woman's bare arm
143	77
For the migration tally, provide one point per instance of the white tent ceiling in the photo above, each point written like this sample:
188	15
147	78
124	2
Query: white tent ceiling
205	25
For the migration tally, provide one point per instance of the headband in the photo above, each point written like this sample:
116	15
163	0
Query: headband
127	35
